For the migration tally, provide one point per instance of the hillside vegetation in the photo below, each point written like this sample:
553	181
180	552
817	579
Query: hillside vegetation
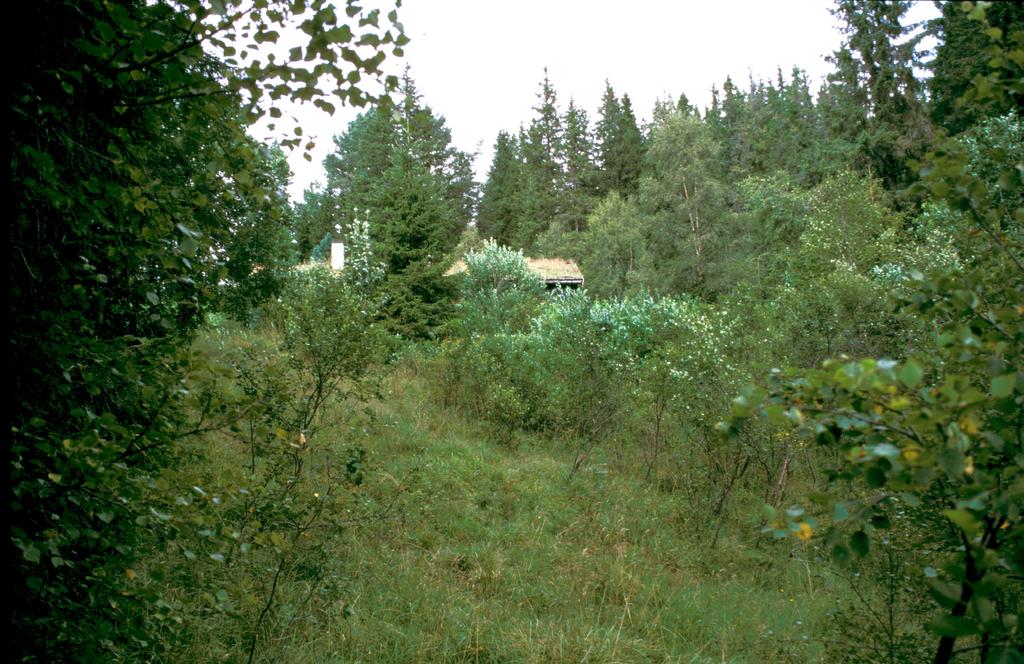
782	422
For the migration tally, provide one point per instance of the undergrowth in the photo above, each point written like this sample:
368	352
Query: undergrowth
459	547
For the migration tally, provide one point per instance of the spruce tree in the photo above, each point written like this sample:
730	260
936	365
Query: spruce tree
425	136
684	106
373	141
877	60
713	113
414	227
501	204
606	137
363	151
579	169
732	132
800	124
842	111
543	160
630	152
960	56
396	169
545	150
620	145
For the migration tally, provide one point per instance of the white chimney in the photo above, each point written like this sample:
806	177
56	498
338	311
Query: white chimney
337	255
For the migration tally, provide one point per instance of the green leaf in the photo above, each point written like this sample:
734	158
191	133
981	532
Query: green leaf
1005	655
951	461
270	36
953	626
875	477
185	230
910	499
163	516
947	594
775	414
860	543
887	450
910	374
30	553
964	520
1002	386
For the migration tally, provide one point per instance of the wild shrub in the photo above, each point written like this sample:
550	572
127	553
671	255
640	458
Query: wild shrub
939	431
330	339
253	513
498	292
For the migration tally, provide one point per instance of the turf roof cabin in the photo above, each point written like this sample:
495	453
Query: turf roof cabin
554	272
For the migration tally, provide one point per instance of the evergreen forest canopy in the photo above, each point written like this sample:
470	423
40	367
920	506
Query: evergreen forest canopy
783	422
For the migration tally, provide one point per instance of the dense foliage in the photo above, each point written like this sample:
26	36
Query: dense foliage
138	192
788	257
796	361
395	171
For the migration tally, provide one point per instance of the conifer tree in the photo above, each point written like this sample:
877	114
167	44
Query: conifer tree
800	124
414	227
369	147
579	169
630	152
397	170
425	136
877	63
732	132
620	146
842	110
361	156
713	113
684	106
605	135
781	128
543	161
501	202
960	56
545	149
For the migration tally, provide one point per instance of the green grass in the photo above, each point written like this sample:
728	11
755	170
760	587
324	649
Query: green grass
494	555
472	551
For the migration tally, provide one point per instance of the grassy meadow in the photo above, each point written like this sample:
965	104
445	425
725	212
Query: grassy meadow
463	545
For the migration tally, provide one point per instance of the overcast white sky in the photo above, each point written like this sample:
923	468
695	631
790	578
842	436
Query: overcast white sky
479	63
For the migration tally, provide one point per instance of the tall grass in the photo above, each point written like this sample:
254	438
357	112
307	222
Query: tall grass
459	547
